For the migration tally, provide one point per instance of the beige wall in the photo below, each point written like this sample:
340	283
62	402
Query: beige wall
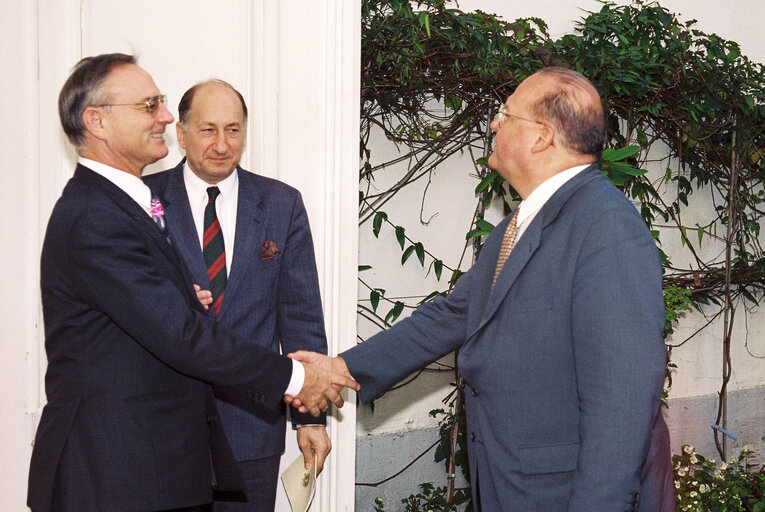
296	64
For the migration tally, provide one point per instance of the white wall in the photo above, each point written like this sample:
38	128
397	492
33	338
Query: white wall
297	65
450	196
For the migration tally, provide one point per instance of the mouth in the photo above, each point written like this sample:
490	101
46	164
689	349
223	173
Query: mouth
157	136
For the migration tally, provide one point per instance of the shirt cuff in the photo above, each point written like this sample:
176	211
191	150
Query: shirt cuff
297	379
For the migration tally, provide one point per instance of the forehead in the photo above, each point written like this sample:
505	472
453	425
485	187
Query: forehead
216	103
530	89
128	83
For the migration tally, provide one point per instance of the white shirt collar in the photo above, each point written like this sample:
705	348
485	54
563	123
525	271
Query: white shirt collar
197	187
530	206
131	185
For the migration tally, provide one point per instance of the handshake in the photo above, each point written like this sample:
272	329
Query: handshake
325	377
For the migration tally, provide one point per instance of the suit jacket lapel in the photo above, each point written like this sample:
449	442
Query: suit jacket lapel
523	251
184	233
128	205
249	221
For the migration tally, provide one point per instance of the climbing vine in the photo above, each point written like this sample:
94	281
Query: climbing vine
685	105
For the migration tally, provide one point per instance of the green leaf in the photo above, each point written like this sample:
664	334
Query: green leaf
420	250
377	222
423	19
614	155
486	182
408	252
473	233
395	311
400	236
362	268
700	232
374	299
438	266
484	160
484	224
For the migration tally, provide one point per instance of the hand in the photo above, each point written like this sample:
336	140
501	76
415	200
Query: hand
313	439
324	378
204	296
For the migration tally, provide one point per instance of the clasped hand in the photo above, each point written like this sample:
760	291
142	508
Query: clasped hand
325	377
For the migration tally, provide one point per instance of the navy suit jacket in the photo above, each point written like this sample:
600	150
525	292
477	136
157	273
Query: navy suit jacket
563	358
271	302
130	423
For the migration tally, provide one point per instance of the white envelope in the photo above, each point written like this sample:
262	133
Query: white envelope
300	484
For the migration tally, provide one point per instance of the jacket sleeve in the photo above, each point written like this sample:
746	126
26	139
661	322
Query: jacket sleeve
300	319
122	273
435	329
618	317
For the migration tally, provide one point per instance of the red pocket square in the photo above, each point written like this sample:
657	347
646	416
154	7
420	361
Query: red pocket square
269	250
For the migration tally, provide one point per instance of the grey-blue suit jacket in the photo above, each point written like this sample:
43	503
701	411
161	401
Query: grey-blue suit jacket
564	358
272	302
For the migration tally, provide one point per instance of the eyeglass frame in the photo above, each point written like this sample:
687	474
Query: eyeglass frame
150	104
502	114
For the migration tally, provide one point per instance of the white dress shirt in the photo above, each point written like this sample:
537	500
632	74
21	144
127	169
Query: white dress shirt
226	207
129	184
530	206
134	187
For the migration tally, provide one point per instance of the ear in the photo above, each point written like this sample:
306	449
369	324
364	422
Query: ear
181	135
94	122
545	138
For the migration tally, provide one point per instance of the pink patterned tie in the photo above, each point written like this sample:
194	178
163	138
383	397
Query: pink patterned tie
508	241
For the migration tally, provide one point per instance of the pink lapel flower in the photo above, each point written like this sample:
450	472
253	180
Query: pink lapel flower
156	208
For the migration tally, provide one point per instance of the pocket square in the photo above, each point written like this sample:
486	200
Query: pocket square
269	250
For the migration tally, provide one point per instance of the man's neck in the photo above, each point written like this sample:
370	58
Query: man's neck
107	158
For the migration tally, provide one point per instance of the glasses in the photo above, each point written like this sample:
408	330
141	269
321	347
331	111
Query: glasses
150	104
503	115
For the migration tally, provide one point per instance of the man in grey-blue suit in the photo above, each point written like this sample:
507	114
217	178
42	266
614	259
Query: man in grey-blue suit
560	334
271	296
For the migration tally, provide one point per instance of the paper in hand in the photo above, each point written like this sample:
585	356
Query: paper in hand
300	484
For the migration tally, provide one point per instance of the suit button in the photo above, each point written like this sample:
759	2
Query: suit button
472	437
473	391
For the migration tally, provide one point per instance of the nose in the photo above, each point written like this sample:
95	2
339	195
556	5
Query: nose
163	115
494	125
219	144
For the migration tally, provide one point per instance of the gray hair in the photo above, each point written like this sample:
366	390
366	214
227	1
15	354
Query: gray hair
83	89
579	120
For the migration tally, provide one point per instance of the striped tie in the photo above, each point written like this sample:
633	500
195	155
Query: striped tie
214	251
508	241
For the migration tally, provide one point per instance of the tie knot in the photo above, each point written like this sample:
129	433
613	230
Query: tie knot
212	193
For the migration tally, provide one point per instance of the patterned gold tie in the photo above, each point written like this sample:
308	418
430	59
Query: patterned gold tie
508	241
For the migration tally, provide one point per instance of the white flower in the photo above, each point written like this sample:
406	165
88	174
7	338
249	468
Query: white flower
693	494
681	472
723	466
703	488
677	485
694	460
688	449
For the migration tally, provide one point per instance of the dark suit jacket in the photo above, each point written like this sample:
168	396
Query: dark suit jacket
563	359
128	424
271	302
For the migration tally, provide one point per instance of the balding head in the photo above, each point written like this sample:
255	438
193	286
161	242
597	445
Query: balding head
572	105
